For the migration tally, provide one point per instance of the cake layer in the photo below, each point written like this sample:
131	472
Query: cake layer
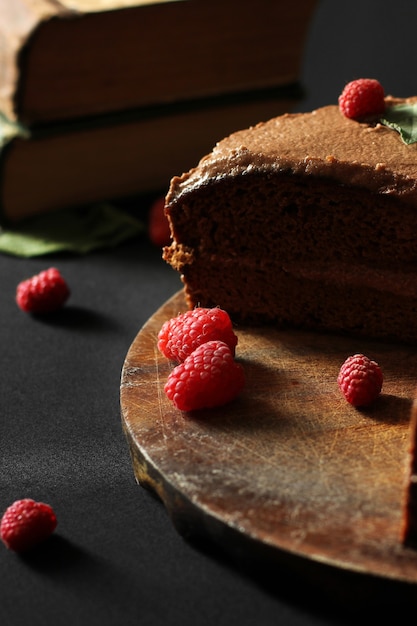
322	144
409	526
305	220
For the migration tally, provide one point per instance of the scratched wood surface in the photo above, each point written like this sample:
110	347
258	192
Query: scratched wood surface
289	466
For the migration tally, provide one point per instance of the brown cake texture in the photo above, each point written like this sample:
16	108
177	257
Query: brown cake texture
409	528
307	220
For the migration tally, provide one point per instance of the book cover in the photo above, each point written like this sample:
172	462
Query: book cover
121	155
67	59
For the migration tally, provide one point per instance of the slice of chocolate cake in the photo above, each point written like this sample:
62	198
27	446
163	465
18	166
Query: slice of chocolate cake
409	529
306	220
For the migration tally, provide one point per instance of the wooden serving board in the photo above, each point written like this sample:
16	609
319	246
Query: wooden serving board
289	467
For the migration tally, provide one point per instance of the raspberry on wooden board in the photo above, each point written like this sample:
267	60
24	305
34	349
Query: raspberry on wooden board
208	377
181	335
360	380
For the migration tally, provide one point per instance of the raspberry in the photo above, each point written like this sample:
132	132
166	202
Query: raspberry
360	380
209	377
44	293
25	523
362	98
181	335
158	227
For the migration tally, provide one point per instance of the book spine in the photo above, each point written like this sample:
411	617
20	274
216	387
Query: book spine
23	18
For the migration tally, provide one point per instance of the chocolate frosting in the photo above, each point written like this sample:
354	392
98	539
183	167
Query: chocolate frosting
322	143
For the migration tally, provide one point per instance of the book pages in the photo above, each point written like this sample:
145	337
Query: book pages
107	5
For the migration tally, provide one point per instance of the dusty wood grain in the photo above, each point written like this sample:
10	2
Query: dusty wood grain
289	465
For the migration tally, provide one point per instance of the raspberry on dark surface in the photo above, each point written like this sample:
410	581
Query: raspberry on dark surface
158	226
26	523
45	292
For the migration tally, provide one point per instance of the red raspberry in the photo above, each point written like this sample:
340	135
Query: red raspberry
158	227
207	378
360	380
43	293
25	523
362	98
181	335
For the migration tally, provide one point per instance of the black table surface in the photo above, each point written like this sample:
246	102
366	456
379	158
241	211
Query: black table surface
116	558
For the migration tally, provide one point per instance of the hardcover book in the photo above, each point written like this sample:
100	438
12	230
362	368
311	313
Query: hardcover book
75	58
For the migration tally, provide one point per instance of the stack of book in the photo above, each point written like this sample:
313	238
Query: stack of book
106	99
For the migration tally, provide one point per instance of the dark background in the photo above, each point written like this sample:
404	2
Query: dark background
116	557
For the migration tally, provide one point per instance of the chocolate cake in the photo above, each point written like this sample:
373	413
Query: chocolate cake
409	529
307	220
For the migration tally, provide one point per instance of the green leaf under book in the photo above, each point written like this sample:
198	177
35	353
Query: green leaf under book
76	230
403	119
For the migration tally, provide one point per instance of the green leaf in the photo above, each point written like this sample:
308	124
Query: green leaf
75	230
403	119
